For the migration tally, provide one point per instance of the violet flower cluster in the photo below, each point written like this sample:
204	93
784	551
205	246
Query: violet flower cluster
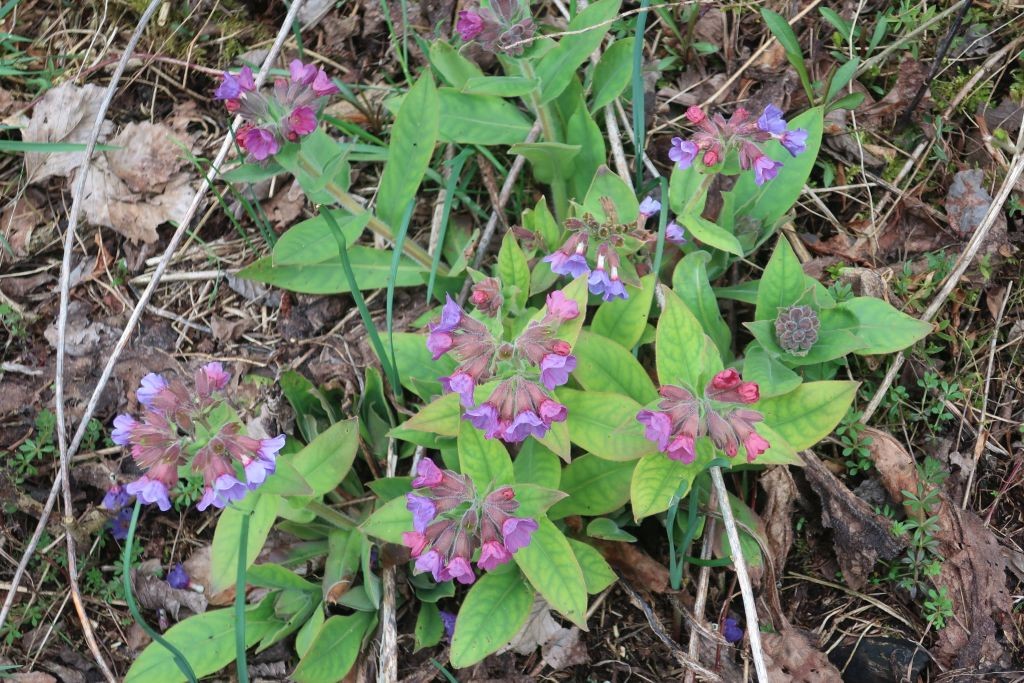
287	113
674	233
504	27
119	502
716	137
571	258
166	442
684	418
530	367
451	521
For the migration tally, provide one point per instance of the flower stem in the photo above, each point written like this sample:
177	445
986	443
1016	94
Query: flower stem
559	192
349	203
243	553
331	515
126	578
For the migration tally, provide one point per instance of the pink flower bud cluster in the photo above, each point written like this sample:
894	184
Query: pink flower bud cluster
715	138
571	259
165	440
285	115
503	27
684	418
531	367
451	521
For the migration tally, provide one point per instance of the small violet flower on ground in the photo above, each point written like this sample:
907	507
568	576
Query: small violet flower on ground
731	630
684	418
166	439
451	522
178	577
118	501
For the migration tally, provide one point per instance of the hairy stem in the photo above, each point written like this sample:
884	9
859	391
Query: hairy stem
243	553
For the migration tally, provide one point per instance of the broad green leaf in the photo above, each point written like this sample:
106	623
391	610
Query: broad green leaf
493	611
583	35
690	282
304	638
329	160
623	320
605	424
410	147
270	575
607	184
685	356
783	32
596	572
440	416
612	73
293	608
536	464
207	640
595	487
779	451
535	500
783	282
882	328
540	221
224	553
809	413
453	67
480	119
418	371
342	564
772	377
372	269
252	172
484	460
389	521
603	365
286	480
608	530
557	440
326	461
429	627
745	292
514	272
710	234
684	190
549	160
551	567
581	130
500	86
312	240
656	479
334	649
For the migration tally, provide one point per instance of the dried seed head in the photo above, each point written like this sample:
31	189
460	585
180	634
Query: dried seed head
797	329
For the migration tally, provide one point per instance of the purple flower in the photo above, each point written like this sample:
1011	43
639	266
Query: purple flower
115	498
765	169
562	308
429	474
658	427
226	489
492	555
178	577
120	524
795	141
269	448
485	418
460	570
461	383
232	86
614	289
430	562
323	85
572	265
731	630
469	25
771	121
681	449
683	152
552	411
439	343
598	281
216	376
302	73
150	491
302	121
451	315
257	471
151	385
674	233
526	423
649	206
123	426
261	143
423	511
448	619
517	532
555	369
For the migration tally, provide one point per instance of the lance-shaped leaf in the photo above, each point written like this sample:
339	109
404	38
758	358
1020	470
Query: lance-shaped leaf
389	521
410	147
657	478
624	320
595	486
261	508
783	282
605	424
603	365
882	328
334	649
551	567
493	611
686	356
484	460
809	413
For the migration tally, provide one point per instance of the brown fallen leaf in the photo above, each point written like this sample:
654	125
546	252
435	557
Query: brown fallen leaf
635	565
155	593
791	658
25	226
778	512
882	114
64	114
967	202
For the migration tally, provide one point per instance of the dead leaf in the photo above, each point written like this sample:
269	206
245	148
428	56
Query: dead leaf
540	627
149	156
635	565
778	512
155	593
882	114
791	658
565	650
20	224
228	330
861	537
83	336
967	202
64	114
895	467
30	677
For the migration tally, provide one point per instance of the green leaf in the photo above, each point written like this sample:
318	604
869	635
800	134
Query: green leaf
557	440
551	567
623	320
326	461
607	184
207	640
286	481
514	272
684	190
326	155
455	69
419	371
685	355
252	172
500	86
312	240
334	649
342	563
595	486
745	292
596	572
493	611
780	452
580	129
606	529
657	478
484	460
536	464
783	32
772	377
783	283
480	119
429	627
690	282
224	553
603	365
304	638
605	424
835	338
441	416
389	521
809	413
711	234
270	575
612	73
584	35
535	500
372	268
550	160
883	328
410	148
540	221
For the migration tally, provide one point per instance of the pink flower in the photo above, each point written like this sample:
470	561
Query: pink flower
755	445
562	308
552	411
323	86
261	143
216	375
430	562
430	475
302	121
681	449
461	383
439	343
469	25
695	114
517	532
415	541
303	74
492	555
460	570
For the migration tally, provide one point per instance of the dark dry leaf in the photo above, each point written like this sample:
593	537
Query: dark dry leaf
155	593
967	202
635	565
882	114
792	659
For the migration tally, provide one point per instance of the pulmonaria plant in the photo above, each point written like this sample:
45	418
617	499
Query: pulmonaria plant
529	368
174	436
717	137
118	501
286	113
797	329
451	521
503	27
720	414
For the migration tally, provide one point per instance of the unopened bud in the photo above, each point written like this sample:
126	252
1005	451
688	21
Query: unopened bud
711	157
695	114
487	297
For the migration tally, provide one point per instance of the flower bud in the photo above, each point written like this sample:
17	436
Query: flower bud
695	114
